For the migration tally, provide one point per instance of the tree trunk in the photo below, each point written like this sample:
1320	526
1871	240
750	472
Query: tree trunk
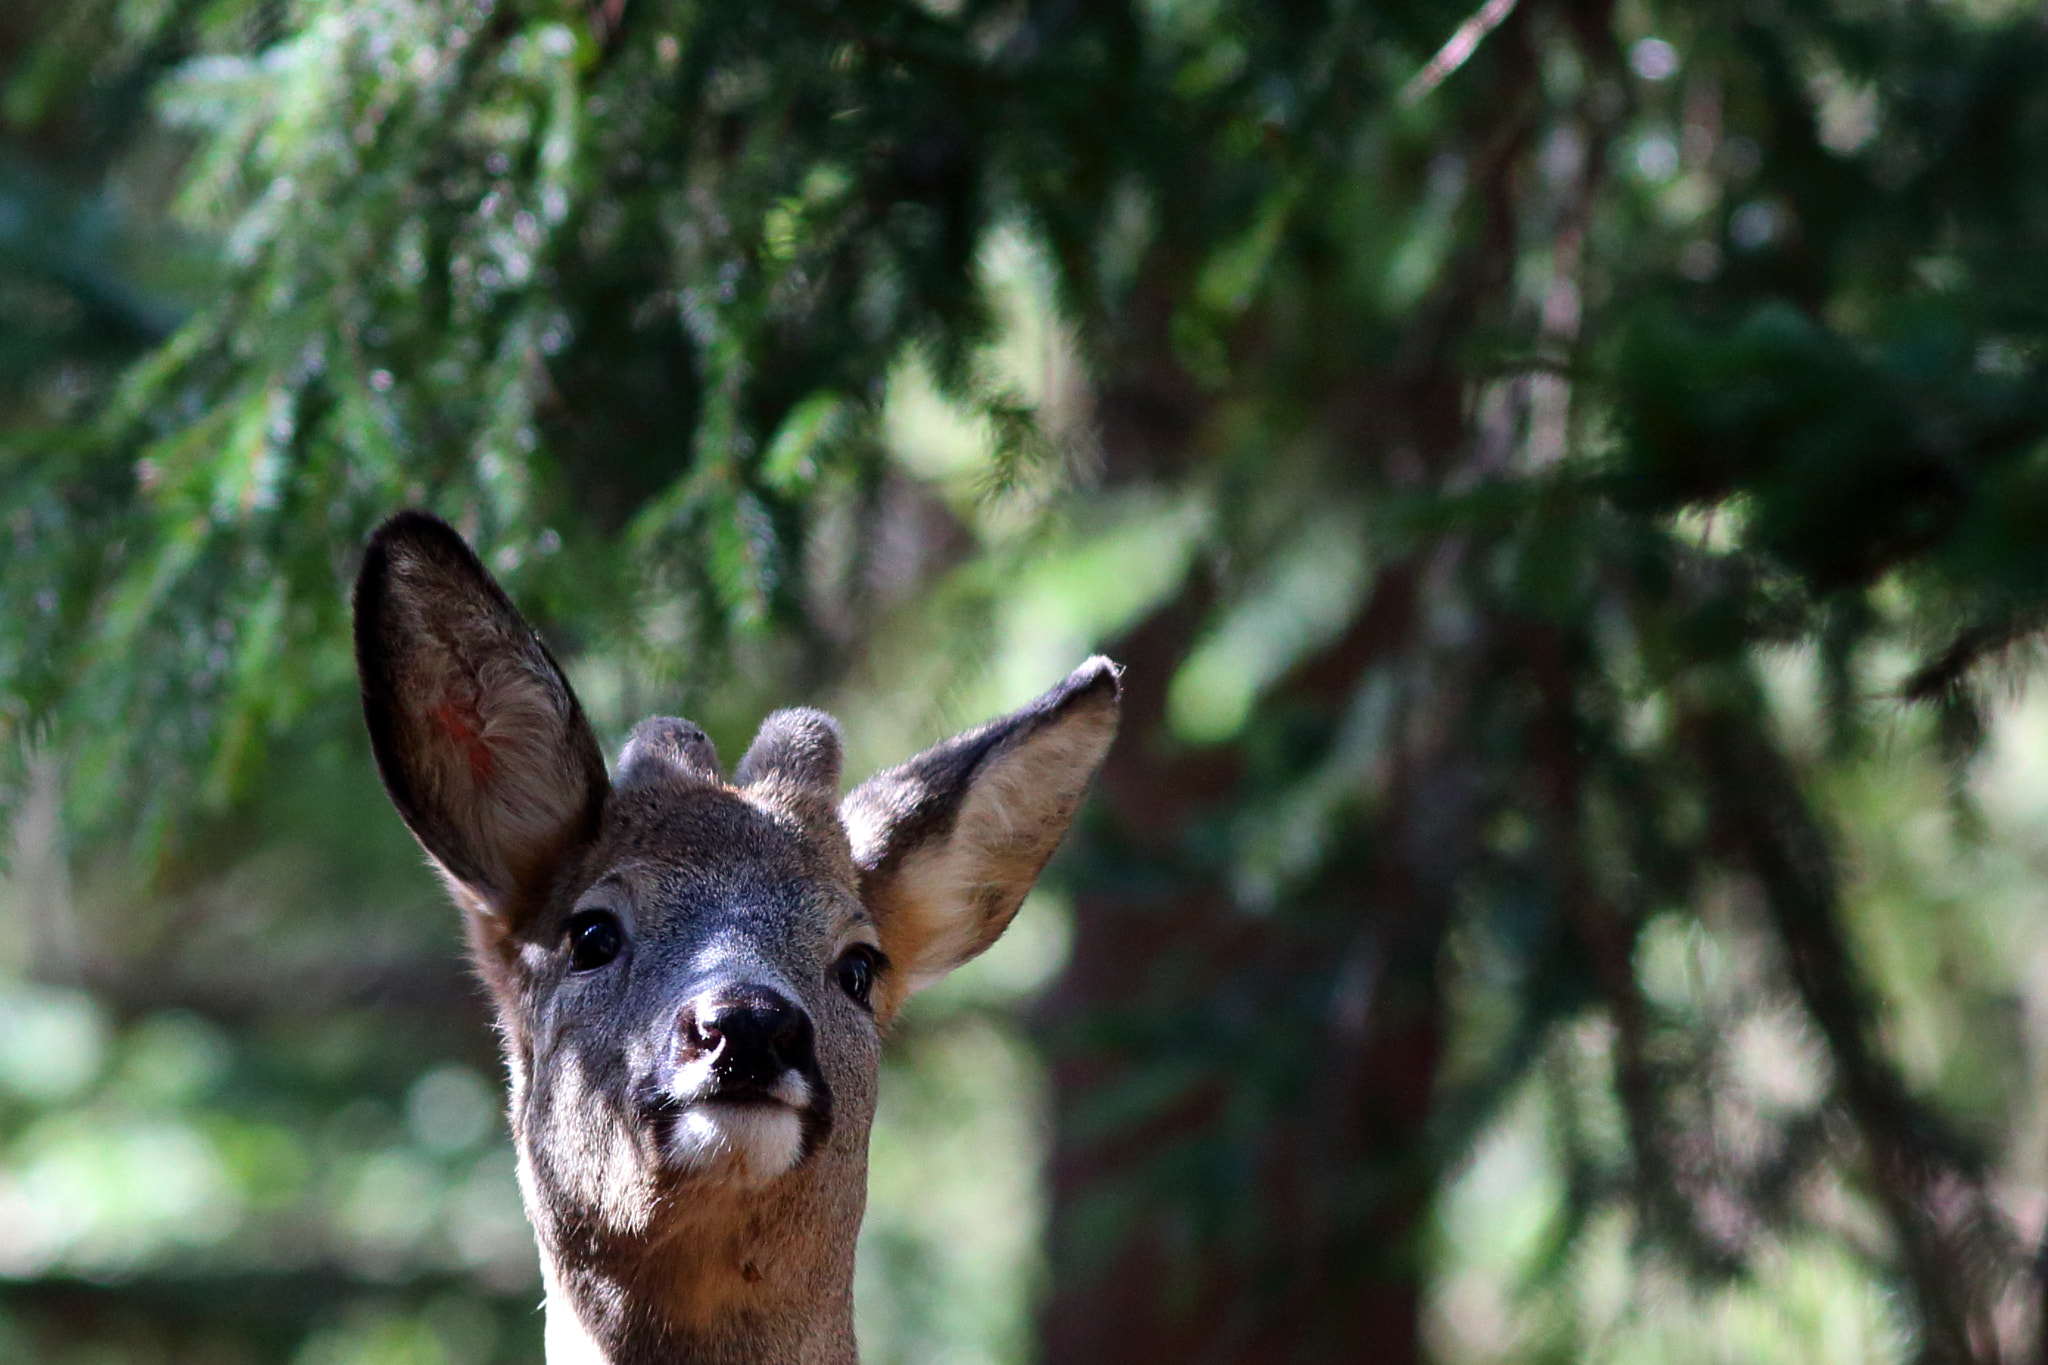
1214	1201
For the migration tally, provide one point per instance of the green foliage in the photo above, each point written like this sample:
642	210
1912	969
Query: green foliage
1558	505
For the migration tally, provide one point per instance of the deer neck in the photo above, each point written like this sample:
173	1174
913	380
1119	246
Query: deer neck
730	1278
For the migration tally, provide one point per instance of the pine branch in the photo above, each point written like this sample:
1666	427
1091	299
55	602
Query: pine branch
1947	673
1608	935
1932	1193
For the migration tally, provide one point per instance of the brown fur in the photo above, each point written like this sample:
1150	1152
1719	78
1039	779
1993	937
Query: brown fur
673	1226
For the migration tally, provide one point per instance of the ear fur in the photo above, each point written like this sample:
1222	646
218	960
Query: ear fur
948	844
481	743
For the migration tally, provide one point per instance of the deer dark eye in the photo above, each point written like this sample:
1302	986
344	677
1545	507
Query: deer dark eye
595	938
857	970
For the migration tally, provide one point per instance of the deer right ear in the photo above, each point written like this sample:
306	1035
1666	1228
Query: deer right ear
948	844
479	739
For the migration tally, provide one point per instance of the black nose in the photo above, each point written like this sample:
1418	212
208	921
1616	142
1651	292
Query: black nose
751	1034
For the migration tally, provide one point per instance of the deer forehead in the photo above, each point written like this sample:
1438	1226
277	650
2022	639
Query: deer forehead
716	858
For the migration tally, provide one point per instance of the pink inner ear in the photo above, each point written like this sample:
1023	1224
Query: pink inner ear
463	725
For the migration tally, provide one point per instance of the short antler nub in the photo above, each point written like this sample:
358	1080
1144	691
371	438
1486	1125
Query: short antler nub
800	746
663	748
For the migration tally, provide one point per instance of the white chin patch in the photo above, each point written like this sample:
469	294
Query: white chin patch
747	1144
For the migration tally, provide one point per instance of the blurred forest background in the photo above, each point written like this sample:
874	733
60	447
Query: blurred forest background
1568	480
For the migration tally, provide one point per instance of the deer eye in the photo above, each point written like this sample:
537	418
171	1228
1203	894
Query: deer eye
857	969
595	938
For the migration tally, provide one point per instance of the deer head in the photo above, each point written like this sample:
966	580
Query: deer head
692	972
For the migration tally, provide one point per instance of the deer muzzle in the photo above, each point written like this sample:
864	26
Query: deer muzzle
746	1101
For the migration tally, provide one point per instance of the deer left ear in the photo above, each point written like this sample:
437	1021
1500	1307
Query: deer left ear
949	843
479	739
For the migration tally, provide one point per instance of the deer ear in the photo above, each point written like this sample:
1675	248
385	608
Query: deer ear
948	844
481	744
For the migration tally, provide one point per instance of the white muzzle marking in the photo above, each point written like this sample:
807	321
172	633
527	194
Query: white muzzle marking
745	1143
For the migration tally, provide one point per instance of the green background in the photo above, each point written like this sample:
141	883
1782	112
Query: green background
1567	481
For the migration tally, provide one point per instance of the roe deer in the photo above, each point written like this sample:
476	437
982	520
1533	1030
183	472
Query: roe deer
692	973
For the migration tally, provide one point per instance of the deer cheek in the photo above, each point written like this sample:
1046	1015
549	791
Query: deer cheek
853	1067
586	1157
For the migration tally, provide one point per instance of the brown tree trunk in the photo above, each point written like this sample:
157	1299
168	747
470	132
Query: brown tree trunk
1240	1167
1199	1231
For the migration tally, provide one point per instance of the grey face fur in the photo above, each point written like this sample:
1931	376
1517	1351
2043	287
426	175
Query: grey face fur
692	974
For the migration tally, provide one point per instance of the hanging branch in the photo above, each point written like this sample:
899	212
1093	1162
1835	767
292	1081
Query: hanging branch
1931	1193
1949	683
1946	671
1608	934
